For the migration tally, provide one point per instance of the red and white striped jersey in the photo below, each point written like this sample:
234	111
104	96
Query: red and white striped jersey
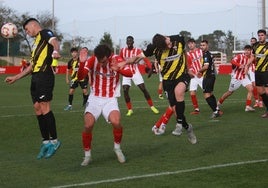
237	61
127	53
195	60
104	80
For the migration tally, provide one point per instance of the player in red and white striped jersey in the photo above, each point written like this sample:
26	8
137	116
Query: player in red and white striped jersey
104	72
240	64
194	59
126	53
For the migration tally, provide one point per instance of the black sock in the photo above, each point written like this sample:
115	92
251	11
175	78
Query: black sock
85	99
180	108
265	100
70	99
51	123
43	127
212	102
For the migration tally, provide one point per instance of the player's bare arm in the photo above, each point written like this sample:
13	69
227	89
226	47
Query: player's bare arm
12	79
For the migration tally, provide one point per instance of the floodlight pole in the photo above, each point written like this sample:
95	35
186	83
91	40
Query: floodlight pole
53	22
8	58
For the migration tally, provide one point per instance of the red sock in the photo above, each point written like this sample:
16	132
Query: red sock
160	91
255	93
118	133
168	114
129	105
194	101
150	102
86	140
248	102
221	100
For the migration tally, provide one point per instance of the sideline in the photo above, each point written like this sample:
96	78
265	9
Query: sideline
164	173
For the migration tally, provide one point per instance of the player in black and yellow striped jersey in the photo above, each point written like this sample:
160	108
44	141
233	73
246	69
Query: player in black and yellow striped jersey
44	49
170	54
72	79
260	50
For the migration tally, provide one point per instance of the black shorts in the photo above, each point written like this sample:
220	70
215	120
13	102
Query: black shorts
83	84
208	84
169	86
42	85
261	78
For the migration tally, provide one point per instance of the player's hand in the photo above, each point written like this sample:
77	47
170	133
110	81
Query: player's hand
10	79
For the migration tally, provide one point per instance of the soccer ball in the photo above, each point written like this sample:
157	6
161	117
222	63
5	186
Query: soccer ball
9	30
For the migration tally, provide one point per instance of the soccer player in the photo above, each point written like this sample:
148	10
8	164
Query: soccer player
240	64
72	80
208	72
170	54
45	48
260	50
194	60
251	72
127	53
104	71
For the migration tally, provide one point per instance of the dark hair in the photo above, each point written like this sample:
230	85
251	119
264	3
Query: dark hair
254	38
262	31
247	47
159	41
74	49
205	41
29	20
191	40
130	37
102	50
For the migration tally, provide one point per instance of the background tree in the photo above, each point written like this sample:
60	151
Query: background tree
107	39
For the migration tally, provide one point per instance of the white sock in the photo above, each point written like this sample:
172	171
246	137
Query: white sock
88	153
116	146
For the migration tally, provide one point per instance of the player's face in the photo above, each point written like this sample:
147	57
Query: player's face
204	46
30	29
191	45
74	54
130	43
261	37
247	52
103	61
168	42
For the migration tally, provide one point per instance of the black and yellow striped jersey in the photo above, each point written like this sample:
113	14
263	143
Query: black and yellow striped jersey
73	65
172	61
261	55
41	58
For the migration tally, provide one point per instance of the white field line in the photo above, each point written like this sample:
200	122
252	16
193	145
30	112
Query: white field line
164	173
157	104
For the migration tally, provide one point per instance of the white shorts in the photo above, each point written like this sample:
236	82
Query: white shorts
99	105
195	82
136	78
235	84
251	75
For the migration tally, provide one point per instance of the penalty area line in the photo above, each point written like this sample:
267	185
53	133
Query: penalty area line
164	173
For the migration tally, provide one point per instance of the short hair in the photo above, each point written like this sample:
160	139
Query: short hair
191	40
29	20
159	41
130	37
204	41
247	47
102	50
74	49
253	38
262	31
